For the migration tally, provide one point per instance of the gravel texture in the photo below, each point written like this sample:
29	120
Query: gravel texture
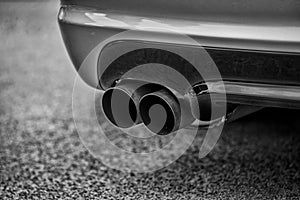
41	156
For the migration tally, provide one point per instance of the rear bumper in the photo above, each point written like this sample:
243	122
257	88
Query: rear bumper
244	53
259	37
255	12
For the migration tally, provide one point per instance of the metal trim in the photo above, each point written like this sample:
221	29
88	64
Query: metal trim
257	94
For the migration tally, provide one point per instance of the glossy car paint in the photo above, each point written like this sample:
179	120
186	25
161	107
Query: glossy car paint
255	12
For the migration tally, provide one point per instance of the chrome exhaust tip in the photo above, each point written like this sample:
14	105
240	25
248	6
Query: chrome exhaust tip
161	112
120	103
119	107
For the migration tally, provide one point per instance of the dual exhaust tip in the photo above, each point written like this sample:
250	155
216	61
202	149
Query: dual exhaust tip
128	104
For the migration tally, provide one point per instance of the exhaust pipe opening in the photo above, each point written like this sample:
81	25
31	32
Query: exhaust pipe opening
163	112
120	103
131	103
159	112
119	107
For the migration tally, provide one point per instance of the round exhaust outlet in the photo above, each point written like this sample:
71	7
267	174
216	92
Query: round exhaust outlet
163	113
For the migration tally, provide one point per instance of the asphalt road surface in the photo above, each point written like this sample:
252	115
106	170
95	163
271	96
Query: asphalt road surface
41	156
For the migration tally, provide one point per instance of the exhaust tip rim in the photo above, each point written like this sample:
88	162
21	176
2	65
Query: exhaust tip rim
144	106
107	107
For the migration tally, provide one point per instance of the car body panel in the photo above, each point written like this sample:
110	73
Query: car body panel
250	41
252	12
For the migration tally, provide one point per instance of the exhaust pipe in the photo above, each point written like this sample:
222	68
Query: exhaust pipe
163	113
160	109
120	103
